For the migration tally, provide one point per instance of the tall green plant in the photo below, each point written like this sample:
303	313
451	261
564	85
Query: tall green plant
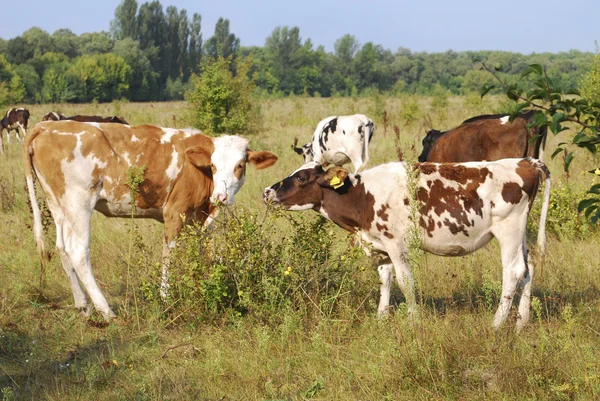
222	101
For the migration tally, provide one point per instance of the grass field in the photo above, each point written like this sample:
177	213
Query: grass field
306	345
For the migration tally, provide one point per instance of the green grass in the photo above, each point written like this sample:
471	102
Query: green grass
153	351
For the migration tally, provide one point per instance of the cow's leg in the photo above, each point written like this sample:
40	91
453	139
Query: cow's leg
510	234
77	246
404	277
1	141
23	130
525	301
62	232
385	276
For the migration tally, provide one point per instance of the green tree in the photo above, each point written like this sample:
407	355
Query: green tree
221	101
12	89
589	85
66	42
143	84
124	25
195	43
32	82
345	49
95	42
223	43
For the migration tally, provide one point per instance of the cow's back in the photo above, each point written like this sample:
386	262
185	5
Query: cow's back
101	154
485	139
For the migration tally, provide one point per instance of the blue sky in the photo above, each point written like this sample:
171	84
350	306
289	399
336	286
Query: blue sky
419	25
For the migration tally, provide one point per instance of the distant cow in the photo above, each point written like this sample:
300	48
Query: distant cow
487	137
339	140
15	119
54	116
459	209
83	166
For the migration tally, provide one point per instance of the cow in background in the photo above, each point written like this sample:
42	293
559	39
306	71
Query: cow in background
54	116
487	137
339	140
459	208
15	119
83	167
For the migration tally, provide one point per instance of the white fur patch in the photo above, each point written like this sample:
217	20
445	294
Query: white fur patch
173	170
169	133
135	138
504	120
93	124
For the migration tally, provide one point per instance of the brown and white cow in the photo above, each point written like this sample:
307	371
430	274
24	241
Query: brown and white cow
83	166
487	137
459	209
339	140
15	119
54	116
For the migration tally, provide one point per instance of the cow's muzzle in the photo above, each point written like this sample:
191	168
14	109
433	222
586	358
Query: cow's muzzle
270	195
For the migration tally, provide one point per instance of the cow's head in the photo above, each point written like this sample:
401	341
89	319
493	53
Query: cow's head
303	189
53	116
22	117
227	163
305	151
428	142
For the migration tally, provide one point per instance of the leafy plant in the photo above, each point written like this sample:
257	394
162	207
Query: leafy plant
222	101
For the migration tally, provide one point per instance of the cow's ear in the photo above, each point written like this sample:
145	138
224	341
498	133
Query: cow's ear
198	156
333	178
261	159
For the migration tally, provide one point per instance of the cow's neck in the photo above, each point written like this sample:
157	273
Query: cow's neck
351	208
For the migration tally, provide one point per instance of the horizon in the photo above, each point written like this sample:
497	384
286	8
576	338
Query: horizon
443	31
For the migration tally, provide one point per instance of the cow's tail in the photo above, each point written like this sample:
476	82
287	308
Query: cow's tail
369	131
541	241
38	230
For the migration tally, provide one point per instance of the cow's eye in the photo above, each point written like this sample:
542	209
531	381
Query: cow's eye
301	178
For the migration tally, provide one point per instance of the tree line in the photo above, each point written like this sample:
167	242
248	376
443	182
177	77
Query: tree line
150	53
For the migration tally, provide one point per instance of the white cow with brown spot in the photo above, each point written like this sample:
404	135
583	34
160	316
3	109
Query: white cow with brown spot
459	209
83	166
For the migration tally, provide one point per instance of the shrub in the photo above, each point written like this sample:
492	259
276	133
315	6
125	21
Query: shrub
249	267
223	101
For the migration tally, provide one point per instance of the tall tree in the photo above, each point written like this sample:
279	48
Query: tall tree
345	49
124	25
195	45
222	43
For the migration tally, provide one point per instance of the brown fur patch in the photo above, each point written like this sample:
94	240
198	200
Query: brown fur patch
511	193
427	168
382	214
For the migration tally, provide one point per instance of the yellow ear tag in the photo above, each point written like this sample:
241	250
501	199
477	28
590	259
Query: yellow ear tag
335	182
597	171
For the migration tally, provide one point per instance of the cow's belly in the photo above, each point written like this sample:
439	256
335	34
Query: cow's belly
112	209
445	243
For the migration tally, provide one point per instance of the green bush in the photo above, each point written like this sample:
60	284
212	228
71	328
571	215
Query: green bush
246	266
563	219
223	102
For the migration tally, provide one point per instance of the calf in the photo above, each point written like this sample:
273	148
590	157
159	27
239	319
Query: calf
339	140
15	119
459	208
84	166
487	137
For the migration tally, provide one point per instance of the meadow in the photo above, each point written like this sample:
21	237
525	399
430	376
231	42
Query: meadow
280	306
